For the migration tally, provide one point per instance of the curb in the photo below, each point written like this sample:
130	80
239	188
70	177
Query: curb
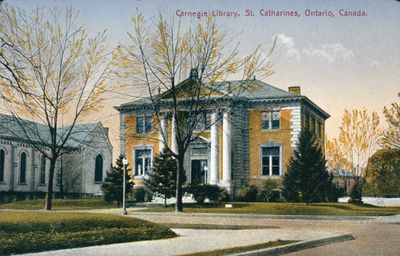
297	246
257	216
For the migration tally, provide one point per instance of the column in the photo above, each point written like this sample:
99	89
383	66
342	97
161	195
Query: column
226	151
173	136
163	133
214	165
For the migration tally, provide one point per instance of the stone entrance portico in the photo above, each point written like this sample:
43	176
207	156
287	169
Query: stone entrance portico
218	122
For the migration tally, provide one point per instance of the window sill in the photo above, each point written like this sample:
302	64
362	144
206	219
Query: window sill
22	184
98	182
141	177
270	130
271	176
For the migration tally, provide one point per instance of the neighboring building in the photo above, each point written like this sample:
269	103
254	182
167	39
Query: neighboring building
344	179
24	170
246	143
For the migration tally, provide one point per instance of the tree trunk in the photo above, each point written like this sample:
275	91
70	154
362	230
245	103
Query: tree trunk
49	195
165	202
180	170
61	178
61	182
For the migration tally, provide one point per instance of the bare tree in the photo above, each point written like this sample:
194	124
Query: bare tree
336	156
391	136
358	140
50	69
159	59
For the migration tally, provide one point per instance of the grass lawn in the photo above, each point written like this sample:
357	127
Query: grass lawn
60	204
22	232
240	249
289	209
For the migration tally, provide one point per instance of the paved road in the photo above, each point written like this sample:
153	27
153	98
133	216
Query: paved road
379	236
371	239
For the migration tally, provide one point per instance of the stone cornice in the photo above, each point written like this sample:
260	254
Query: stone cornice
220	102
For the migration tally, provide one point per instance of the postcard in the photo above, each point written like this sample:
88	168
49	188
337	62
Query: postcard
207	127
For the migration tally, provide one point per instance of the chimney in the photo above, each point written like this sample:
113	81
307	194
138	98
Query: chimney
295	90
193	74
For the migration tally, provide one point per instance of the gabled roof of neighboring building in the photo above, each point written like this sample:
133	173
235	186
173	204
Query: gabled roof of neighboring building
22	130
18	128
251	90
79	133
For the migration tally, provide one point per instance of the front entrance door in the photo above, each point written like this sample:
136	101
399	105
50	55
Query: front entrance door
199	171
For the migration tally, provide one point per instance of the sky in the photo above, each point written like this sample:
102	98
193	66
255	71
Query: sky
340	62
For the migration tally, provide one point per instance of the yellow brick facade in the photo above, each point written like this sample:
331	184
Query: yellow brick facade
134	140
295	114
259	137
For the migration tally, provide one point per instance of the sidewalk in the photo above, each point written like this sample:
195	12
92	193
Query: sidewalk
197	240
311	231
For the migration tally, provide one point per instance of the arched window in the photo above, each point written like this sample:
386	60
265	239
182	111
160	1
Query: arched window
2	159
42	180
98	171
22	168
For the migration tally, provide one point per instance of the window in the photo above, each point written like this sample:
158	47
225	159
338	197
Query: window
270	120
313	125
270	159
98	170
307	121
22	168
319	130
42	180
142	161
144	124
2	159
